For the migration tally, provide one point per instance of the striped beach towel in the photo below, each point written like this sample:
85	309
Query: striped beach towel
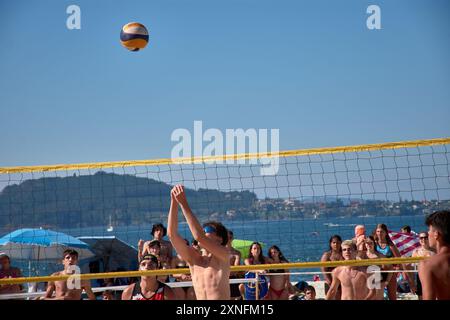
405	243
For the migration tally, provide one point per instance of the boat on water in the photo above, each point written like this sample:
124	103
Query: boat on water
330	224
366	216
110	227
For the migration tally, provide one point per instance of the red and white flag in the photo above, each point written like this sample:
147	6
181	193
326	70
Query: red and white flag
406	243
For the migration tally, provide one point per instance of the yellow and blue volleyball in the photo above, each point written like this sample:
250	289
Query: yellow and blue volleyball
134	36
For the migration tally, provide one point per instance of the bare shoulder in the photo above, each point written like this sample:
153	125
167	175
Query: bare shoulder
168	293
337	271
268	260
126	293
326	256
433	261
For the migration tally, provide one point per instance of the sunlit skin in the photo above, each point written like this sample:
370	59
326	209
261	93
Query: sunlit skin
352	280
279	284
210	269
333	255
255	251
154	250
371	253
6	271
434	272
425	249
335	245
165	253
235	255
61	288
392	285
310	294
182	293
149	284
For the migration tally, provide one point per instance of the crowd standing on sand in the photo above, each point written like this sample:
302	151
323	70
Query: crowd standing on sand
210	256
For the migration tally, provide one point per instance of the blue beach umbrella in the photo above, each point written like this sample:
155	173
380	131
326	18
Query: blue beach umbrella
41	244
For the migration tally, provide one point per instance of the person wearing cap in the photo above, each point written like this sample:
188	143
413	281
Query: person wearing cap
158	233
210	269
6	271
148	287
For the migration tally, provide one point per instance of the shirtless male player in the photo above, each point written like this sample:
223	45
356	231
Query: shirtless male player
61	288
353	281
210	269
434	272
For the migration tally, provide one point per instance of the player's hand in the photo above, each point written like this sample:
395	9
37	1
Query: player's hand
141	243
179	195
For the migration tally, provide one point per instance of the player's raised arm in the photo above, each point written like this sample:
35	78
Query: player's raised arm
187	253
220	251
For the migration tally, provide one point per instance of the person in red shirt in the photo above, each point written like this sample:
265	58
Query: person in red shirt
148	287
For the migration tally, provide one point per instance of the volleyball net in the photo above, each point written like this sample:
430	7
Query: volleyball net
314	194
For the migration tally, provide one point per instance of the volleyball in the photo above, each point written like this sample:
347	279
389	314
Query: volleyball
134	36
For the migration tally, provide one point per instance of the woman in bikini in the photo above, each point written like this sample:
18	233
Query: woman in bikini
334	254
255	256
386	247
279	285
385	277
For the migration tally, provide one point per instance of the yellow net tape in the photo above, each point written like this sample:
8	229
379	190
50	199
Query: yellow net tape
293	265
244	156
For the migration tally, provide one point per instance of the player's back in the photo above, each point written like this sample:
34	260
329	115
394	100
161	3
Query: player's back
441	274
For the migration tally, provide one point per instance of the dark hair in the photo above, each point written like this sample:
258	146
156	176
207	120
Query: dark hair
407	228
260	257
441	221
301	285
282	258
371	238
152	258
221	231
386	231
154	243
187	242
71	252
159	225
310	288
337	237
194	242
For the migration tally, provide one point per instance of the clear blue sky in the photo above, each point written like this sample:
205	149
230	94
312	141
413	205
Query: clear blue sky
310	68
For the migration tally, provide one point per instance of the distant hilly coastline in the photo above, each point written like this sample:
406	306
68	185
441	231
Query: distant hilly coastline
91	200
